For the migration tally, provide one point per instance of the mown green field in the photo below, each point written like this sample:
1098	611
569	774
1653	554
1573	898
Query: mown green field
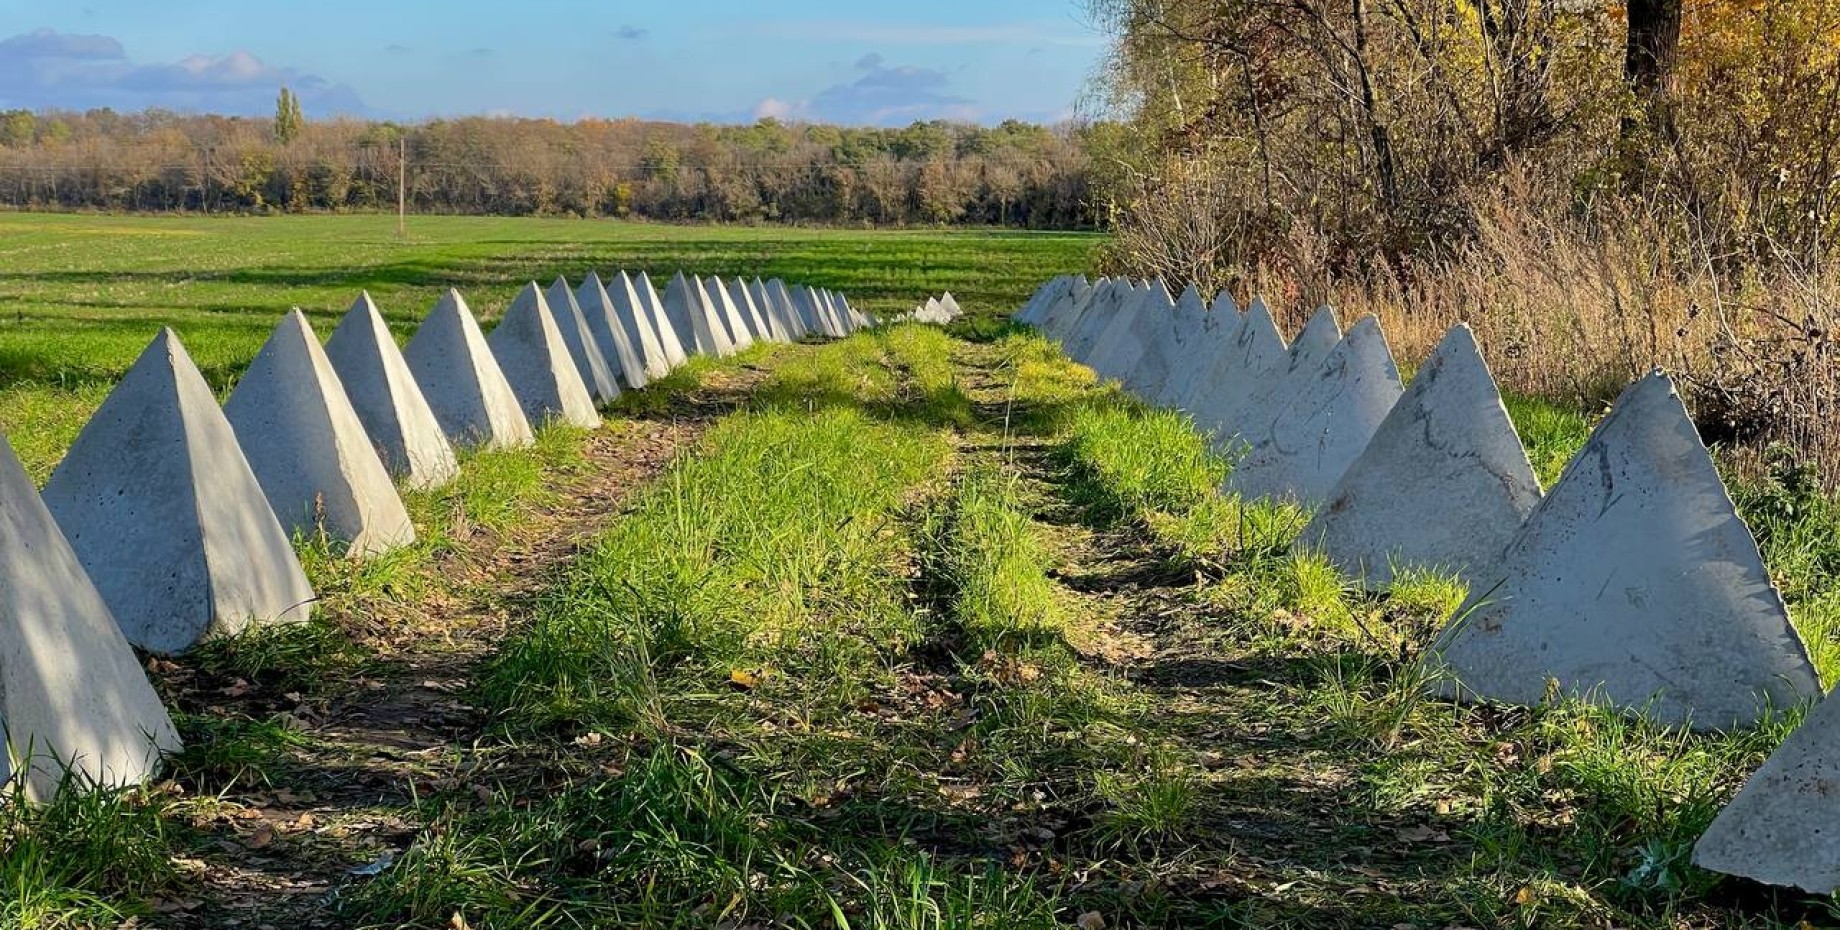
80	296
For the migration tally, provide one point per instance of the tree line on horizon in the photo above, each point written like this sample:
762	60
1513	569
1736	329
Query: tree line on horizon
1013	174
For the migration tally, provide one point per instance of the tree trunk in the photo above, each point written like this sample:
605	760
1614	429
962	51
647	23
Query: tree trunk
1648	56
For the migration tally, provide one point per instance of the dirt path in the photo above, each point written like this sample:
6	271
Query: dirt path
1281	830
309	780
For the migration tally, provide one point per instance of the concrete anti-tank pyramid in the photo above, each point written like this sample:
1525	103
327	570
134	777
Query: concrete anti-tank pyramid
1199	352
690	311
309	450
811	308
1325	424
743	300
625	358
1783	827
1053	315
72	696
389	403
1152	371
827	310
462	380
162	509
619	321
1120	298
536	363
1044	296
833	305
777	324
951	307
1147	319
788	308
675	341
599	370
805	311
727	313
1636	584
1252	359
1260	405
1444	483
1118	328
1098	306
1061	319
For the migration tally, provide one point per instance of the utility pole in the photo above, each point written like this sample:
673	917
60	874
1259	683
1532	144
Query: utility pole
402	187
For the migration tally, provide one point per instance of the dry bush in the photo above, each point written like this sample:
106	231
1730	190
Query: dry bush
1576	312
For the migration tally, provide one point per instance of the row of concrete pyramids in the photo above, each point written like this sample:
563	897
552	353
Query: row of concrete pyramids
939	310
1632	583
170	519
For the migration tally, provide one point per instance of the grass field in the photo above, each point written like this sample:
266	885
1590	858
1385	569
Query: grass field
80	296
920	629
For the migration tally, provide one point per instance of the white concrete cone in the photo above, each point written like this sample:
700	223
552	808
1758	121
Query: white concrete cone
462	380
309	450
618	318
535	359
395	414
1254	357
1443	484
1634	584
727	313
1324	427
73	698
625	354
1783	827
599	367
161	508
674	340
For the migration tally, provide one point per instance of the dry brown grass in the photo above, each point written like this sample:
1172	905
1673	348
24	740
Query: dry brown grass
1575	312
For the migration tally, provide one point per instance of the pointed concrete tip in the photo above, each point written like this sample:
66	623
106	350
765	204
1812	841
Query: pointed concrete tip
450	302
364	301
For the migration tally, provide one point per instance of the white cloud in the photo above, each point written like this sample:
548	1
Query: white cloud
883	95
49	69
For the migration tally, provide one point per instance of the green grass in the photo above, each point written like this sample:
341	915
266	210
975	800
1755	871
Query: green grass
933	631
86	859
80	296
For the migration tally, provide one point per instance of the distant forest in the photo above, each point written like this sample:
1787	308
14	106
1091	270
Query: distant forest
1014	174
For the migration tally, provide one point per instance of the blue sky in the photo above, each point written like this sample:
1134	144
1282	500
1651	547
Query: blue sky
862	62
